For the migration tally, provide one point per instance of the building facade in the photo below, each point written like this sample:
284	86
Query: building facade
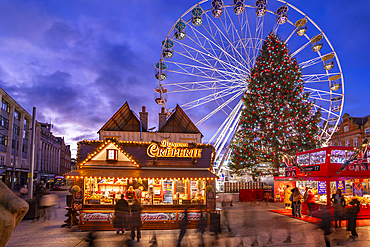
352	131
15	136
65	156
15	145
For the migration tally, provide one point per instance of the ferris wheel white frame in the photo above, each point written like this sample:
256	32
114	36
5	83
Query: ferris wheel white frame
238	70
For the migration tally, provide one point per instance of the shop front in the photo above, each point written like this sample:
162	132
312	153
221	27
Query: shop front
166	178
323	171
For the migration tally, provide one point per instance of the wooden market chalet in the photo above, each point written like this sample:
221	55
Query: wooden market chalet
170	167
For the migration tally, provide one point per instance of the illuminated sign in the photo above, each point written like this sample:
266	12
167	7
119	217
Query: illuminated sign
98	216
172	149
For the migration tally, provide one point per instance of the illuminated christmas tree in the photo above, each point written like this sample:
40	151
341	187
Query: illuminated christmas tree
277	117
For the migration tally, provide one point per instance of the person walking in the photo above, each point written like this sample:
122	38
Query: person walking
309	198
297	204
135	220
287	193
325	224
338	204
352	213
183	225
201	227
121	212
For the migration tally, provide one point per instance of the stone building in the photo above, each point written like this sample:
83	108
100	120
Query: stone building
15	145
352	131
65	156
15	136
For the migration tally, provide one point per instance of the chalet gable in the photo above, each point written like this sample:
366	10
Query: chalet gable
110	154
178	122
124	120
104	153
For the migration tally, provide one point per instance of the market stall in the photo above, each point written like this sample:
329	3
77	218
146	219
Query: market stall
322	169
167	178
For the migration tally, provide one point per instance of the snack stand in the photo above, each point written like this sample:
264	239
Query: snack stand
171	177
323	173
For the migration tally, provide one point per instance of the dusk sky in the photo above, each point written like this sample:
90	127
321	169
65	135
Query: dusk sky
79	61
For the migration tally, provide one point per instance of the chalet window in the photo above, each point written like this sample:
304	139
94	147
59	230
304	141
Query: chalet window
346	128
367	131
112	154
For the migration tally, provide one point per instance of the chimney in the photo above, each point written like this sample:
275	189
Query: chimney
144	117
162	117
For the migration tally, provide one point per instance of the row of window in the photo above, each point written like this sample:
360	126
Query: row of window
367	130
347	143
4	141
17	115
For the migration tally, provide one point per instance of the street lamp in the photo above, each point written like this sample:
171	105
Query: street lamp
15	161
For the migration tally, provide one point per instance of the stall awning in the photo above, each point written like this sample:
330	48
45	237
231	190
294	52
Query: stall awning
141	173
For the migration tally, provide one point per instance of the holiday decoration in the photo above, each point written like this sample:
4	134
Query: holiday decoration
75	189
277	117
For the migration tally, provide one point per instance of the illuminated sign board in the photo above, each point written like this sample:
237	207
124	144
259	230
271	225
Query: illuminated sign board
172	149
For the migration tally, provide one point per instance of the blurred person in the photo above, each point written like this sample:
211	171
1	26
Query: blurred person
287	193
183	225
226	219
135	220
338	204
201	227
309	198
325	223
91	237
121	212
153	241
24	191
291	200
47	201
297	204
352	213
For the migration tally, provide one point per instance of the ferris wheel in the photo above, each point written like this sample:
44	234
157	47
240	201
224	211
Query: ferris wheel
208	53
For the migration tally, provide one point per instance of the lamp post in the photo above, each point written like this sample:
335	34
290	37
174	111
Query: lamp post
15	161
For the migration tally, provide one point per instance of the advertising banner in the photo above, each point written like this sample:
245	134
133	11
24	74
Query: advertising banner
321	187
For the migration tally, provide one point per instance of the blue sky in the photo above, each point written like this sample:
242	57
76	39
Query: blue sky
79	61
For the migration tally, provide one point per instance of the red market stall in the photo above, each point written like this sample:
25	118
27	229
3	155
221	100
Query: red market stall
322	172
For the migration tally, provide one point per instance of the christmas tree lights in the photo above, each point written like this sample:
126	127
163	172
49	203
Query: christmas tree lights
277	117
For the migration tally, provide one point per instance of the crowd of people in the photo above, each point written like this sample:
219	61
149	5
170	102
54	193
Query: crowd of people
293	199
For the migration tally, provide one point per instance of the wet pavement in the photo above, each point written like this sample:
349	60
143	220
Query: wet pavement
251	224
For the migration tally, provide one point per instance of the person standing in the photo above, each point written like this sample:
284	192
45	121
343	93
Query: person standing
121	212
297	204
135	220
183	225
287	193
130	194
309	198
338	204
138	193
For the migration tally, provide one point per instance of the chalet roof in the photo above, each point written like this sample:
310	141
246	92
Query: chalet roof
124	120
178	122
138	151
